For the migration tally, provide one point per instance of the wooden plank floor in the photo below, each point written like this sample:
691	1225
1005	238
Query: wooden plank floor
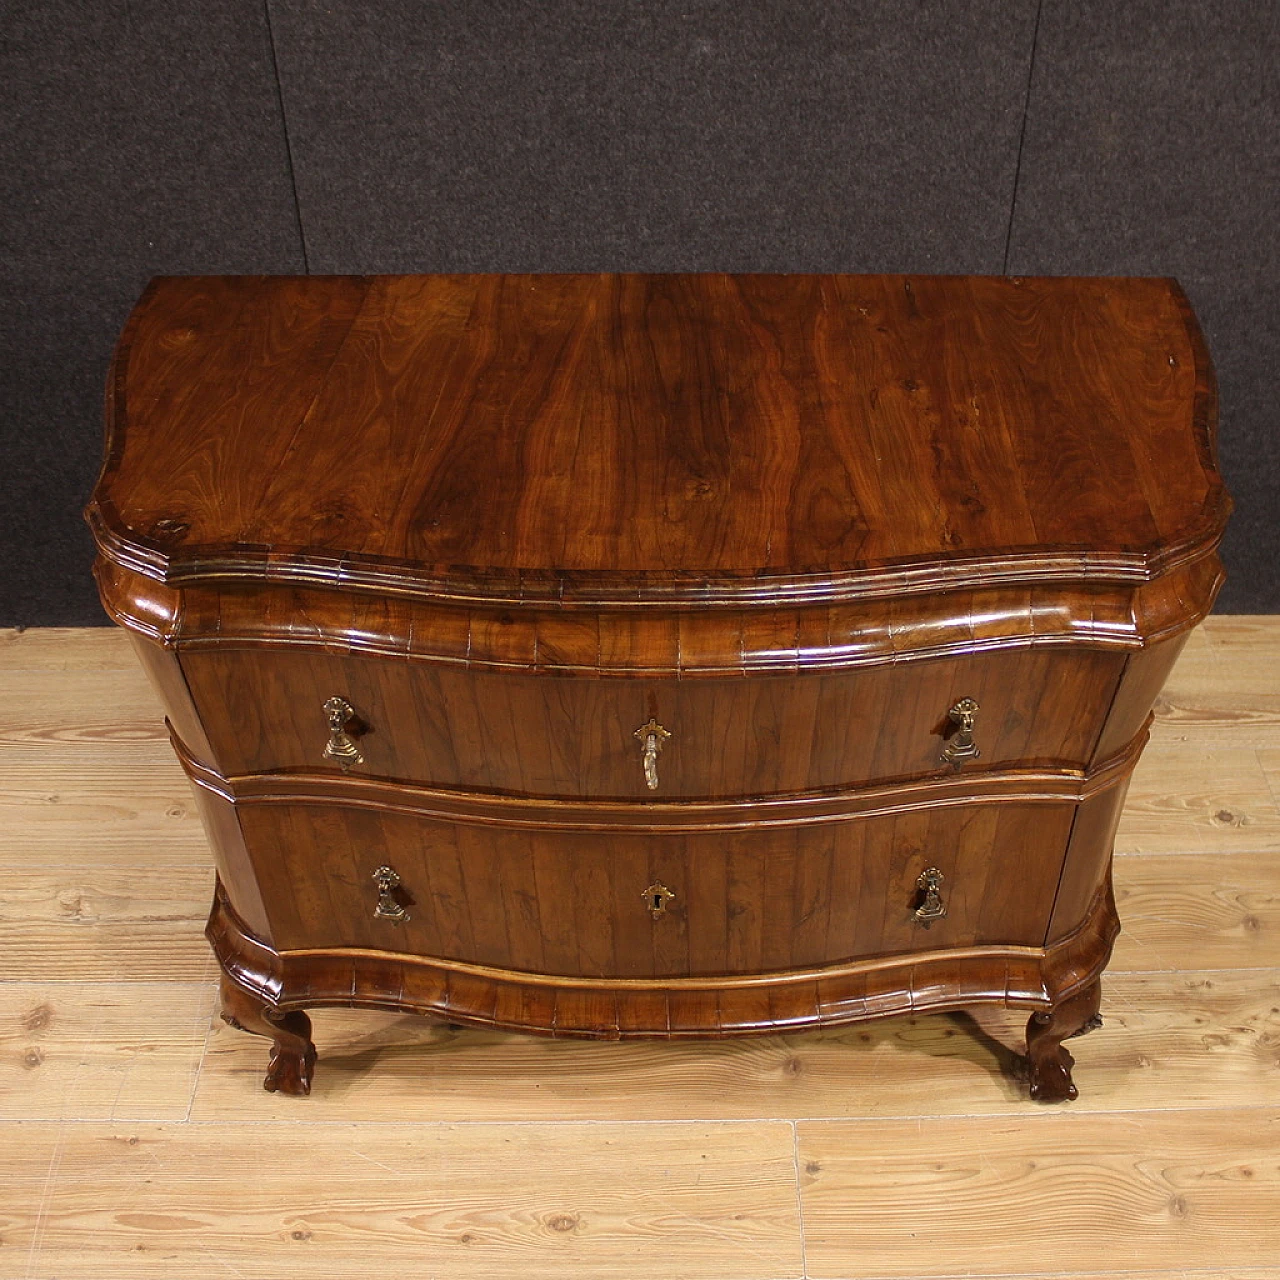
136	1139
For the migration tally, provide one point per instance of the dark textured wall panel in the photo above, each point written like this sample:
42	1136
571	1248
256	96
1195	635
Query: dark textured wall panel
1153	148
655	135
141	138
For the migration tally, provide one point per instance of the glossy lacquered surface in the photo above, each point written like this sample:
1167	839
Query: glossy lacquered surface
598	437
668	655
566	736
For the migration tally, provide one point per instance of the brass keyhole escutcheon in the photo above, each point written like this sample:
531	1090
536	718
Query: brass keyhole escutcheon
961	746
652	736
341	747
656	897
389	905
929	882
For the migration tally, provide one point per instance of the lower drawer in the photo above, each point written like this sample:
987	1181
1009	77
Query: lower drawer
597	905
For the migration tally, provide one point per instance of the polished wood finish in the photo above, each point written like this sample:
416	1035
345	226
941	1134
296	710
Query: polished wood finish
571	903
1049	1062
293	1056
486	731
793	521
601	438
710	1006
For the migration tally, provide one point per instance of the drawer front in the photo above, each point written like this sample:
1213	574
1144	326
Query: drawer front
631	904
263	710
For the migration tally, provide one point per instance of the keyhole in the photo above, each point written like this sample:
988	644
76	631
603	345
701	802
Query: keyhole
656	897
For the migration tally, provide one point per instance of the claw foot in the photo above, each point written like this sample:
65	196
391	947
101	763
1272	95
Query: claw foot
290	1072
1048	1062
293	1056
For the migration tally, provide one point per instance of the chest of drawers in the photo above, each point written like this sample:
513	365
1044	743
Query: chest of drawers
662	656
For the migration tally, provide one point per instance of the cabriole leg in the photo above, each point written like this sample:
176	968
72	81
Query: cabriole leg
1048	1062
293	1056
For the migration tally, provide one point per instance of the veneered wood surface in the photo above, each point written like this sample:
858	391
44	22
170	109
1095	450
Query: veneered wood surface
837	495
565	903
537	435
276	984
448	726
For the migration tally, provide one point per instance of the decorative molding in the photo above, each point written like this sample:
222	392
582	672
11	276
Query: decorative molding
666	1008
1025	786
821	638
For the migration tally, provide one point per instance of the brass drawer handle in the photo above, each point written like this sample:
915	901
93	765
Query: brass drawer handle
962	747
341	746
653	735
389	905
932	908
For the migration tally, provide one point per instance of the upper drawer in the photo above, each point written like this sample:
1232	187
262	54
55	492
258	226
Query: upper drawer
263	710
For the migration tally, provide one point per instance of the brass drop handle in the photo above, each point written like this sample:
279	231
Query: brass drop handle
341	746
961	746
389	906
932	908
652	735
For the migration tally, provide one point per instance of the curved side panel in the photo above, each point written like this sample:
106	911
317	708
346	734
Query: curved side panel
217	811
137	602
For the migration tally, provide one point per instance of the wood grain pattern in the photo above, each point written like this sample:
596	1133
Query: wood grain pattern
828	805
653	427
807	527
1191	1190
1224	806
666	1200
99	808
1224	910
507	898
105	924
66	649
87	777
88	708
1170	1041
112	1051
1190	1038
732	737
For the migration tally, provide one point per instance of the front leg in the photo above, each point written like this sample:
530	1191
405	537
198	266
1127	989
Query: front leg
1049	1063
293	1056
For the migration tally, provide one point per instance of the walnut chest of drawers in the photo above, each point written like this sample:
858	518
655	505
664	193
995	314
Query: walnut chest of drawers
662	656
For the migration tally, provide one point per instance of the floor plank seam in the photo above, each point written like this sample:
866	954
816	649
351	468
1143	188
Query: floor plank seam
123	867
210	1017
1266	774
1135	855
1143	1273
46	1193
1043	1116
795	1159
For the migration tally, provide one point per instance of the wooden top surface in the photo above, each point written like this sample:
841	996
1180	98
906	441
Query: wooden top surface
606	438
